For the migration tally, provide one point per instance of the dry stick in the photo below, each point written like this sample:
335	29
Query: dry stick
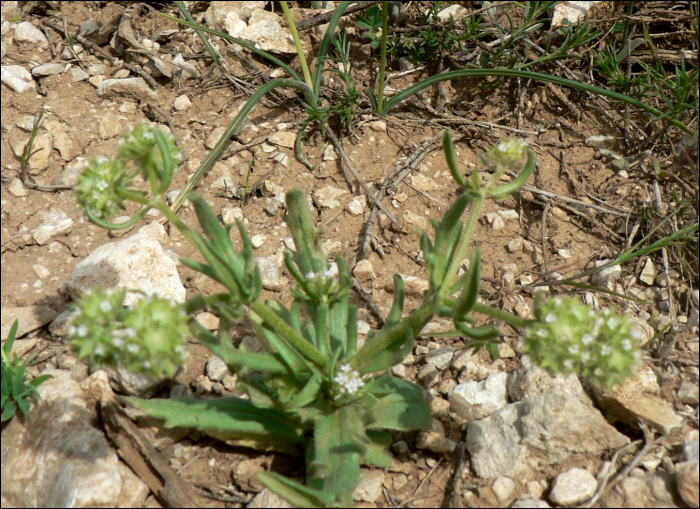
368	300
150	466
420	485
605	486
394	178
364	186
543	234
320	19
664	256
457	480
572	200
102	53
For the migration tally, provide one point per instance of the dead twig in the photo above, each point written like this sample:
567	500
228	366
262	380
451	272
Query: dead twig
148	464
320	19
377	200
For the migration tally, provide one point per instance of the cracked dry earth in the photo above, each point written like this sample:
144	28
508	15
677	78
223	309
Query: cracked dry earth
583	438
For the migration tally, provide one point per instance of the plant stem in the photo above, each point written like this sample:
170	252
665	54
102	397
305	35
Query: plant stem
297	43
382	65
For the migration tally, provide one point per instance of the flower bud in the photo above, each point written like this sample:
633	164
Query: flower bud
570	337
139	145
149	339
507	154
98	184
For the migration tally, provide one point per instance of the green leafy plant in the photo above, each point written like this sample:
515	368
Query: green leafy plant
371	23
17	393
28	151
314	391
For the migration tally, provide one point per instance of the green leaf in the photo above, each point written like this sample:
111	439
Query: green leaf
307	236
226	419
377	452
338	449
481	333
11	338
307	395
452	163
397	306
404	408
519	181
9	410
466	300
295	493
236	357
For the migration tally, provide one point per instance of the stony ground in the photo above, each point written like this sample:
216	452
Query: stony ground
533	237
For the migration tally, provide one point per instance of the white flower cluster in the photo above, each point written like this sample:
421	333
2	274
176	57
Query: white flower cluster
326	274
349	380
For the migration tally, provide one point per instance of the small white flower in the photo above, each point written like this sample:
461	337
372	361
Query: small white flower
101	159
587	339
626	344
349	380
574	349
612	322
605	350
133	348
83	331
118	342
130	332
106	306
149	135
550	318
99	350
102	185
569	364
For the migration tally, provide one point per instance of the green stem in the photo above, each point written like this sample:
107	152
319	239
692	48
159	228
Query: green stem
382	65
501	315
286	332
297	43
468	73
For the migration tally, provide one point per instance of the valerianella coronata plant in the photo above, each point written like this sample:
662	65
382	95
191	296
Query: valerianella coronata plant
570	337
149	338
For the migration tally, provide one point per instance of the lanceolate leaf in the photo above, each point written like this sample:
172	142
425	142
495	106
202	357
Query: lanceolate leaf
335	467
404	408
225	419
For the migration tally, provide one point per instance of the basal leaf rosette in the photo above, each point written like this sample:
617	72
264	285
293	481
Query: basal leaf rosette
149	338
570	337
98	184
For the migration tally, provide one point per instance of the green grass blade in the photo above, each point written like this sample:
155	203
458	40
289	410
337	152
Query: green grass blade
214	55
469	73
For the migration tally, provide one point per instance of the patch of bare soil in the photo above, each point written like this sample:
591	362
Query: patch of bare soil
529	238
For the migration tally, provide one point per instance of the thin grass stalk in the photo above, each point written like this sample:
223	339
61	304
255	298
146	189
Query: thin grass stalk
382	65
297	43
